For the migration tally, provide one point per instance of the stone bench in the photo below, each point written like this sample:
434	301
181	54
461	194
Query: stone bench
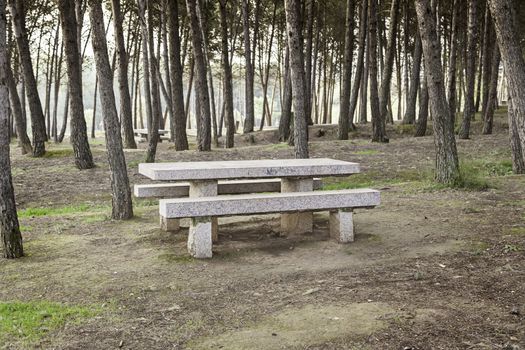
203	210
182	189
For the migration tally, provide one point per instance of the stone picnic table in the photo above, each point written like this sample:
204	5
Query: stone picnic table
143	133
297	175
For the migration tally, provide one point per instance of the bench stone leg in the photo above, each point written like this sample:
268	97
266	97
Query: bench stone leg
297	223
169	225
206	188
200	238
342	226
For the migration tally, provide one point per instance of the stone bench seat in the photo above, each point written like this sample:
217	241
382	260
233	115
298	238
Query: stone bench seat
182	189
202	210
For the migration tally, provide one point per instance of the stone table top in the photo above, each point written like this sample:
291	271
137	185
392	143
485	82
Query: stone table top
239	169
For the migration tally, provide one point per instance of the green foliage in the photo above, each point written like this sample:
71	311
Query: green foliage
30	321
520	231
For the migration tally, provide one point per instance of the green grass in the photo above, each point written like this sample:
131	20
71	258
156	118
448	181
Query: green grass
404	129
43	211
29	321
518	231
59	153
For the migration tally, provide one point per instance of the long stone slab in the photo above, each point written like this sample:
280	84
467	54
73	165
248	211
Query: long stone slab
182	189
242	169
268	203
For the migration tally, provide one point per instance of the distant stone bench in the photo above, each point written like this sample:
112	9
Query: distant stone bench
182	189
143	134
204	210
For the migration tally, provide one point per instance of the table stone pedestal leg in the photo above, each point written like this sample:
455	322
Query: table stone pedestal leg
169	225
342	226
203	231
296	223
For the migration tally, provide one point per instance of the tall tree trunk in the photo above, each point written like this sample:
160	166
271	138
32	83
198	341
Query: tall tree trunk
121	192
363	99
16	108
518	155
38	124
421	125
295	40
374	93
344	114
514	63
410	113
249	121
451	84
178	126
9	226
489	37
146	78
79	138
228	86
126	119
153	130
65	118
286	106
379	129
469	109
201	82
309	7
447	164
360	58
488	117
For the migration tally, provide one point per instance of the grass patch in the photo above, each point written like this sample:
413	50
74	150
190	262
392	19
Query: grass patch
30	321
479	248
174	258
24	228
92	219
59	153
518	231
280	145
43	211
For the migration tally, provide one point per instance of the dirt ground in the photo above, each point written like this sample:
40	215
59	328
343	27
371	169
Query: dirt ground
430	268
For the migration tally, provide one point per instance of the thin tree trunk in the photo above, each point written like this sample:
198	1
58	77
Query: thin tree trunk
410	114
374	93
16	109
489	37
228	87
9	226
360	58
64	119
295	40
451	86
201	82
178	122
126	119
38	126
470	72
344	114
511	54
286	106
121	192
488	117
421	125
79	139
249	121
447	164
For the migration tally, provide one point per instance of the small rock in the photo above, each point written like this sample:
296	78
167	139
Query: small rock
274	334
311	291
121	344
515	311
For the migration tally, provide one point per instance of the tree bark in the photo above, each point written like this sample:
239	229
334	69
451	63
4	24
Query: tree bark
9	226
295	40
178	123
228	86
447	164
410	113
122	207
514	63
488	117
79	138
452	82
379	128
201	82
126	119
249	120
360	58
377	124
470	72
38	124
286	106
16	108
421	125
344	114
